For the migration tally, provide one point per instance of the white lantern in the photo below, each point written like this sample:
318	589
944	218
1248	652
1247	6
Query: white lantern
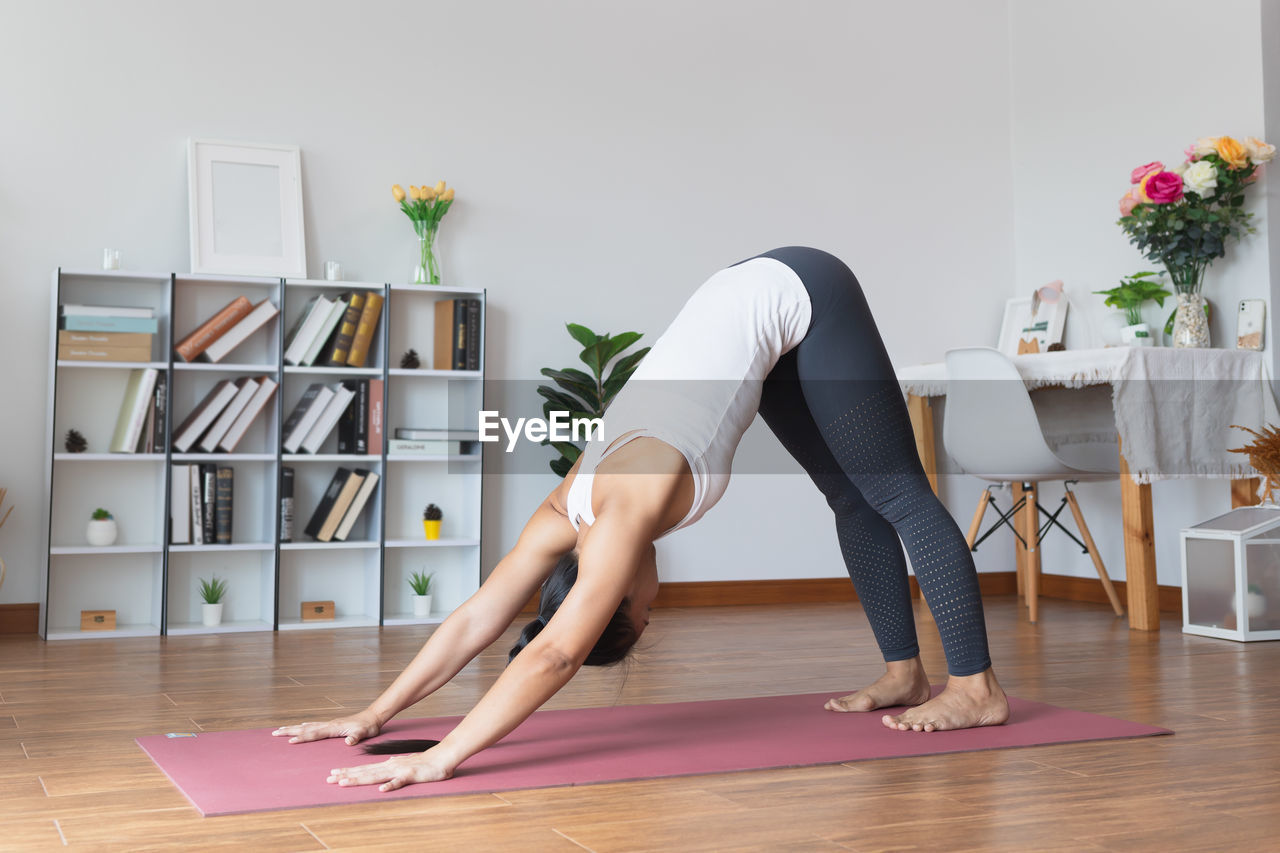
1231	575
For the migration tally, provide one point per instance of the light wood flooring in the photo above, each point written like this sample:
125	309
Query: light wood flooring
70	773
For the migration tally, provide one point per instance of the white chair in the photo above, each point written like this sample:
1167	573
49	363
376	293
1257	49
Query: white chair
991	430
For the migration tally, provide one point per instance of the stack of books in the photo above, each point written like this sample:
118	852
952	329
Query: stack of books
140	420
343	501
105	333
360	427
334	332
213	339
435	442
457	334
221	419
318	412
201	499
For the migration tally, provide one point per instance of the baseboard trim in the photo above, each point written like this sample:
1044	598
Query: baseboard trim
20	618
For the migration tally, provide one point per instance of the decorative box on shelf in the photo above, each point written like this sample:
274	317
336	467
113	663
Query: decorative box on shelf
97	620
316	610
1231	575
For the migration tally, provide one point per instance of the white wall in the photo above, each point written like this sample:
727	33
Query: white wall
1100	87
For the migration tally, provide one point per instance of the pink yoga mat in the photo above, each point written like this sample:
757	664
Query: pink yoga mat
248	771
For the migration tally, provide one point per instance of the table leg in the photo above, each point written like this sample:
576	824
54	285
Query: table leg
1139	551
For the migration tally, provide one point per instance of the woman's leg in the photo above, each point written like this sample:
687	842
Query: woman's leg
852	393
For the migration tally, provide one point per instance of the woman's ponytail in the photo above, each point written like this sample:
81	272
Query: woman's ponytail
618	636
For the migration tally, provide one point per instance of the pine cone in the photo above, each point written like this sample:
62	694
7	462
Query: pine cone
76	442
432	513
409	361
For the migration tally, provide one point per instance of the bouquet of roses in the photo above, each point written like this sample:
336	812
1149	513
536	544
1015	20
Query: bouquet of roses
1182	217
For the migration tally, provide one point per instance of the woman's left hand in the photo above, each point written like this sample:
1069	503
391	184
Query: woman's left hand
395	772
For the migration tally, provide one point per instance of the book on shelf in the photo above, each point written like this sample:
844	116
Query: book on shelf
92	352
341	348
224	501
258	402
327	330
370	314
353	426
133	409
325	506
375	417
341	504
324	424
305	414
195	507
180	504
208	477
457	335
146	440
107	310
305	328
361	498
215	327
213	435
112	340
237	334
202	416
431	447
160	410
94	323
435	434
286	503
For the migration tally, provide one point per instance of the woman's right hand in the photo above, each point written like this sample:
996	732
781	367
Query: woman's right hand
355	728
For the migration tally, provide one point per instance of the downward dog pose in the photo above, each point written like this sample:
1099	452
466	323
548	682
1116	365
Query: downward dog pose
787	334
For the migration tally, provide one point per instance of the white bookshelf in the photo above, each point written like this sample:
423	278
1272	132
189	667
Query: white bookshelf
153	584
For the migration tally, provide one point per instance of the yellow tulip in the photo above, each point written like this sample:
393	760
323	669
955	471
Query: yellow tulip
448	195
429	193
440	188
413	192
398	192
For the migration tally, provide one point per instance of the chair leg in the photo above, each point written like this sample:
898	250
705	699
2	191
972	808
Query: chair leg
977	517
1029	523
1093	552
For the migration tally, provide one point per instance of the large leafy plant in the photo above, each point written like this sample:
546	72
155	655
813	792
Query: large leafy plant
587	395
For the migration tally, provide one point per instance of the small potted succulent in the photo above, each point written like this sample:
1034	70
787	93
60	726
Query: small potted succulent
1131	294
102	529
212	591
431	517
420	582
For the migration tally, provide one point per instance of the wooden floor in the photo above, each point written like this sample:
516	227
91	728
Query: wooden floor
70	773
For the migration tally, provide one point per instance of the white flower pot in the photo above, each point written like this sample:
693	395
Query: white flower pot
212	614
421	605
101	532
1137	336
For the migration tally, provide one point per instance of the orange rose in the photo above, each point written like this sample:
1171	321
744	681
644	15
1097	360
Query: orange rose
1232	153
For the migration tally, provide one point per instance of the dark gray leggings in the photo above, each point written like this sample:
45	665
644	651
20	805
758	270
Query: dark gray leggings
835	404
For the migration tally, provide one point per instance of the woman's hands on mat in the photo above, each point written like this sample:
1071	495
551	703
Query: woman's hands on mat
355	728
434	765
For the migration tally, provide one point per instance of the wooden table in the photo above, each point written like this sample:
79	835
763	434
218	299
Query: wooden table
921	383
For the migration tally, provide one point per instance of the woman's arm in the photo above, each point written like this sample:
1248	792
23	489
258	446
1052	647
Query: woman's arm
608	559
464	634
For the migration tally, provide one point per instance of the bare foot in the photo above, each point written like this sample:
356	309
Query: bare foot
967	702
903	684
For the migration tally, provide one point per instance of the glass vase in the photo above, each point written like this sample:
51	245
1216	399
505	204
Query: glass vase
1190	322
427	270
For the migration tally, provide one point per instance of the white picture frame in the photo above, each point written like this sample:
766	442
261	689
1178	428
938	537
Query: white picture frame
1018	324
245	206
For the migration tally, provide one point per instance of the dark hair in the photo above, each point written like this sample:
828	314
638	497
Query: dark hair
618	636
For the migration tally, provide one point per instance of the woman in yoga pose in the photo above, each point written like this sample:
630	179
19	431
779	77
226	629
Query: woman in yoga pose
787	334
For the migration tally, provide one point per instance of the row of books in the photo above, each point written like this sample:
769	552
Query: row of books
201	498
213	339
140	420
345	498
457	334
335	332
220	420
354	406
105	333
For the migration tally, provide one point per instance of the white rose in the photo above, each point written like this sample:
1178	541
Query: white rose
1259	152
1205	146
1200	178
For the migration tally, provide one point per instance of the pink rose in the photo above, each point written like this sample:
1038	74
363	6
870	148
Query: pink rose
1127	204
1164	188
1142	171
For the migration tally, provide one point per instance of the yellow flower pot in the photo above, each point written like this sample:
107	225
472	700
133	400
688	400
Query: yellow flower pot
431	528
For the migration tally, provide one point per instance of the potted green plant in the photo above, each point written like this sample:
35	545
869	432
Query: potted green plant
1129	296
212	592
102	530
431	518
420	582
